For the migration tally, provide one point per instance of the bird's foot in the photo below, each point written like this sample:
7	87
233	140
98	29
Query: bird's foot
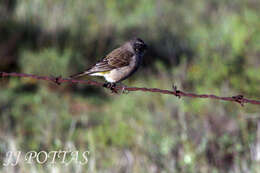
106	85
111	86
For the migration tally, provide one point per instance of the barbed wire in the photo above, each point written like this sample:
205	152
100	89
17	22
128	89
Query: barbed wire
178	93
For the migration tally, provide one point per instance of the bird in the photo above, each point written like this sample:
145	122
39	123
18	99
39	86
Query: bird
119	64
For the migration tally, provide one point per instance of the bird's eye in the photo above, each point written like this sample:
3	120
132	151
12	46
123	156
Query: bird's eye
137	47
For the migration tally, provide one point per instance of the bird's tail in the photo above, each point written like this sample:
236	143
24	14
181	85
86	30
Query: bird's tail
77	75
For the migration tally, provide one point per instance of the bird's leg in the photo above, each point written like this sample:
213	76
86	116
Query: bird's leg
107	84
112	86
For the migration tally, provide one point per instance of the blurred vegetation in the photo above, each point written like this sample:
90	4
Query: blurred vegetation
203	46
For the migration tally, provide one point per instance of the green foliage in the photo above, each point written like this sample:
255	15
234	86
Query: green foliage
47	61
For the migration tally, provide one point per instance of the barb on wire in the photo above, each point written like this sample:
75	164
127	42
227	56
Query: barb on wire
59	80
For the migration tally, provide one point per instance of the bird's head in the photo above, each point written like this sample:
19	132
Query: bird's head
138	45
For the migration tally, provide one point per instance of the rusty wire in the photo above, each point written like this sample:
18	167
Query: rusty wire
59	80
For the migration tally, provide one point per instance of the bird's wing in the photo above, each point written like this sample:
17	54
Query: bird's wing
116	59
119	58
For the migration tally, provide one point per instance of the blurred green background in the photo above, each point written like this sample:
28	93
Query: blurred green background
202	46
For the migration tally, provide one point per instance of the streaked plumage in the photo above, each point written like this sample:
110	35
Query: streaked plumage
120	63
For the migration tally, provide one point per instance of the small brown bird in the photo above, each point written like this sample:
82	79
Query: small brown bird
119	64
